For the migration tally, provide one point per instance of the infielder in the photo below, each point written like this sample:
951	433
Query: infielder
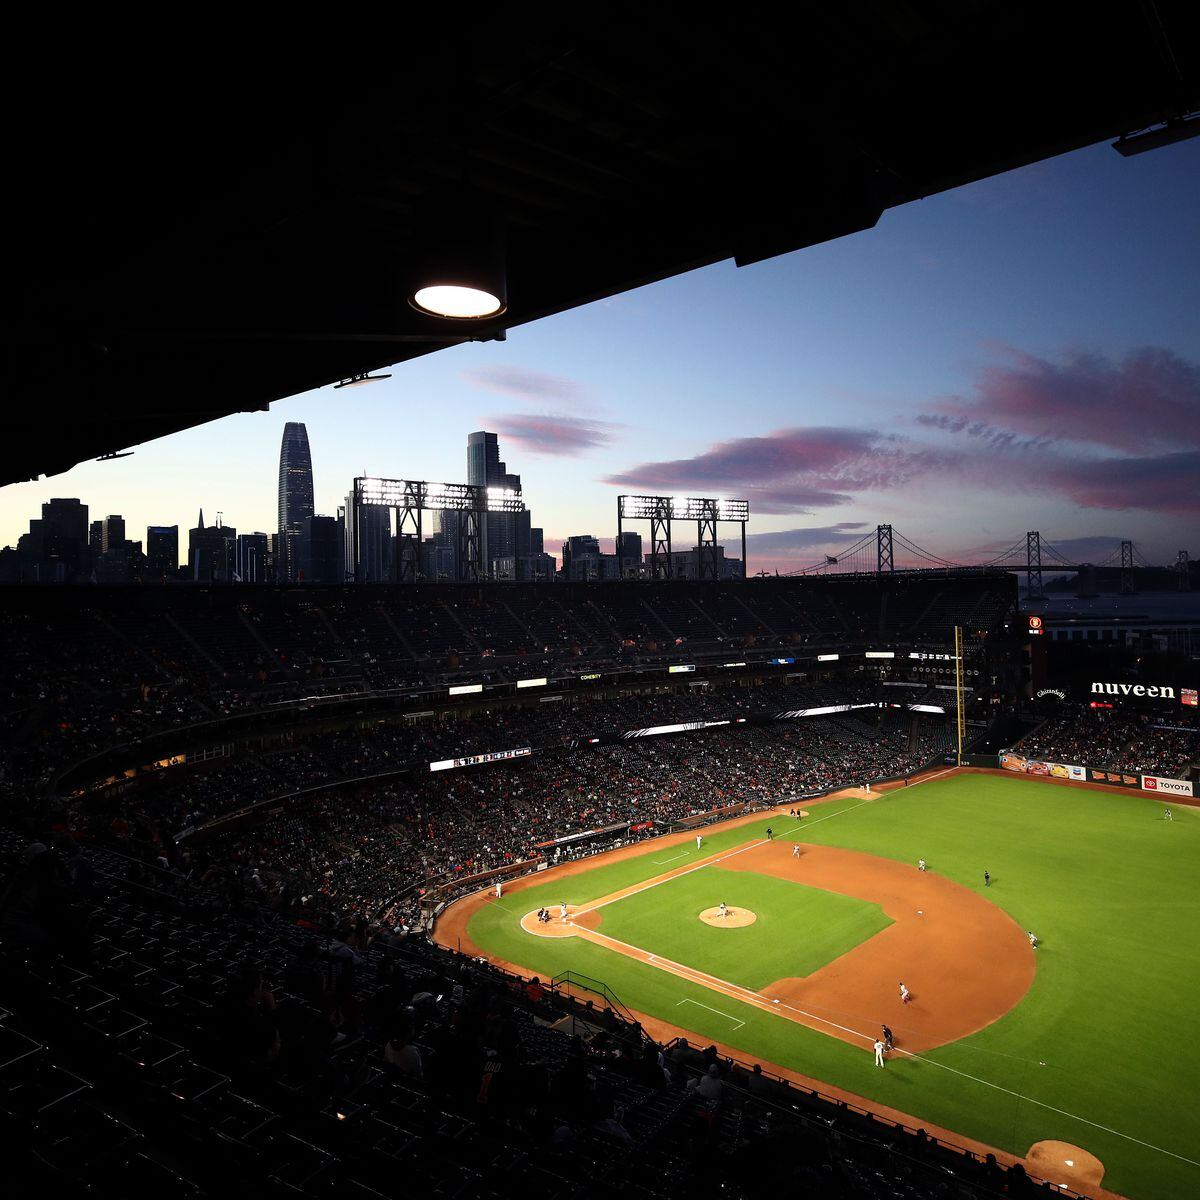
879	1047
920	864
795	851
699	839
1033	939
904	994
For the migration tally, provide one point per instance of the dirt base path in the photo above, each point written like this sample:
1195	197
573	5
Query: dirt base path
965	962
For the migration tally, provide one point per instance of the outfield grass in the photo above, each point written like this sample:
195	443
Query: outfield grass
1101	1053
798	928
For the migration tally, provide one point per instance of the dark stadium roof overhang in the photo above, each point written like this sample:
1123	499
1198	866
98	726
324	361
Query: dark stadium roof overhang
193	238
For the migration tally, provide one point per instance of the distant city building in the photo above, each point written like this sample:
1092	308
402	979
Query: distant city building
162	551
295	497
121	563
321	554
629	551
498	531
685	564
56	546
112	533
212	552
574	550
254	558
374	549
527	568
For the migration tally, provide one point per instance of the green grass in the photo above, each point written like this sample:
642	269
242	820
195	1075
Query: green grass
798	928
1108	885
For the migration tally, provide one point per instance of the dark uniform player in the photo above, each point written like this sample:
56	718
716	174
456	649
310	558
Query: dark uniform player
987	879
889	1041
770	834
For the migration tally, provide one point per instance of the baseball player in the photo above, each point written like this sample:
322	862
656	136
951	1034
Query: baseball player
770	834
879	1049
1167	815
987	879
723	910
699	840
1033	939
562	913
905	996
920	864
888	1040
795	851
499	888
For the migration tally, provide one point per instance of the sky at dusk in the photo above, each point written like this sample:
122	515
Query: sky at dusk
1022	353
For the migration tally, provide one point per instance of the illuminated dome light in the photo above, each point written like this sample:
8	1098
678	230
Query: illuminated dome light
456	302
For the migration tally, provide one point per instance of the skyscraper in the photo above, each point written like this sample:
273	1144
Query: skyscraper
499	530
162	551
295	497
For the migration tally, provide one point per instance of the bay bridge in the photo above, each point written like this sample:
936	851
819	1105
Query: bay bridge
876	553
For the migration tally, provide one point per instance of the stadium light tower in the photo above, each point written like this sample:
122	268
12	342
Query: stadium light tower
660	511
410	498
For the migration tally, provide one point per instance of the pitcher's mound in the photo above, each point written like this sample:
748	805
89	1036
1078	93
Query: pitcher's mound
734	918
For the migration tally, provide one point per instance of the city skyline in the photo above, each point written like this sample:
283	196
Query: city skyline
1018	354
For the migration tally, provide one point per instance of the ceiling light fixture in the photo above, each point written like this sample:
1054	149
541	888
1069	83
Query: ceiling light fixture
459	275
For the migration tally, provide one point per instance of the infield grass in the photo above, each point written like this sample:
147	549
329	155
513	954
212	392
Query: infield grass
797	930
1101	1053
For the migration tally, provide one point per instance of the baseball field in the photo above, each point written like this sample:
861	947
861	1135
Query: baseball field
1084	1048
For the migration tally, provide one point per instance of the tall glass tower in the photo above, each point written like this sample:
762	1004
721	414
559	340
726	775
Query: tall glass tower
295	497
485	466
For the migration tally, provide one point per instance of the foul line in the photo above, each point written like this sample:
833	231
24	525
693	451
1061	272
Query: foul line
1050	1107
737	1024
658	862
758	1000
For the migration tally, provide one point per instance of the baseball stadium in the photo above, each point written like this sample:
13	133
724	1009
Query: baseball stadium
708	834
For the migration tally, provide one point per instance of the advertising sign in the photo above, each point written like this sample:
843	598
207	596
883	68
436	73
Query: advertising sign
1011	761
1113	778
1167	787
449	764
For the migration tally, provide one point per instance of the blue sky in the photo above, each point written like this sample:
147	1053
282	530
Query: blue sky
1022	353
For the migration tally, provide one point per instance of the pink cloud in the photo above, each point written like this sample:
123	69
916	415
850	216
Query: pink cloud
551	433
527	384
790	470
1148	400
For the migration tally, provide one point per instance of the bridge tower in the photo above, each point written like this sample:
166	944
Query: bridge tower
883	550
1126	568
1033	565
1183	569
